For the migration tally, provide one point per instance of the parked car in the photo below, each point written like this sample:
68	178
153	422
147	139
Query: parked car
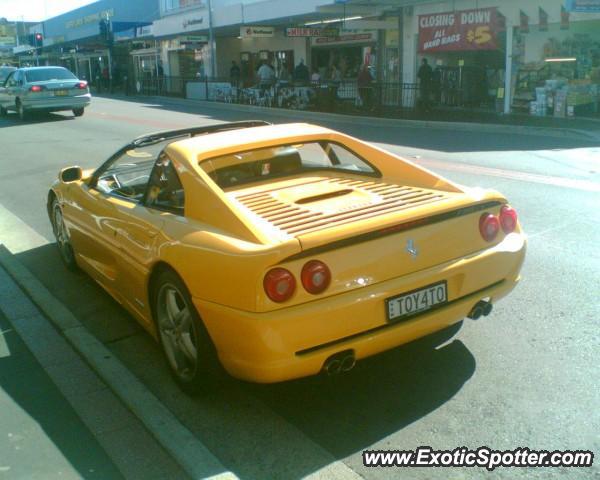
47	89
4	71
282	250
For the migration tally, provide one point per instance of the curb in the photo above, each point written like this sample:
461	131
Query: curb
555	132
191	454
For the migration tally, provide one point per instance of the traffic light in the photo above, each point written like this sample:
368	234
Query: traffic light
38	40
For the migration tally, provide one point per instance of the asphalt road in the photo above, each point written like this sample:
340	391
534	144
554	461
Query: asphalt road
526	376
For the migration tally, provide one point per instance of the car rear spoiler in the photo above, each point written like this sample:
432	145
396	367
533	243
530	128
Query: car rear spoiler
193	131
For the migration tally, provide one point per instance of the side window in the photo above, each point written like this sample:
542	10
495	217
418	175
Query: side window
165	191
127	176
10	81
346	159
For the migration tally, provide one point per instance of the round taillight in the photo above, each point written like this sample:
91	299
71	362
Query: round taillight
508	219
279	284
489	225
315	276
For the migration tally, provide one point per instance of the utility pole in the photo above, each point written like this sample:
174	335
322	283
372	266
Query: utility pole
211	40
508	67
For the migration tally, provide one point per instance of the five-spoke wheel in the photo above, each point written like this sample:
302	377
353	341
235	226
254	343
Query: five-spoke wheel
186	344
62	236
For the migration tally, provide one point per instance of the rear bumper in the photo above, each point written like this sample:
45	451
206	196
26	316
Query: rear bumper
295	342
57	103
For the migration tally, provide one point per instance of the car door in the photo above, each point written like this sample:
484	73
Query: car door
140	229
97	212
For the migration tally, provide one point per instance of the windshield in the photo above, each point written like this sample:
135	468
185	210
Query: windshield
49	74
282	160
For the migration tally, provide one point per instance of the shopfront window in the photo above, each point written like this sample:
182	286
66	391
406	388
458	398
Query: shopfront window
558	70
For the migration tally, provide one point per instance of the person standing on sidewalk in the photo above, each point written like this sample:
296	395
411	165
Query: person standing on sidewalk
234	74
365	88
425	76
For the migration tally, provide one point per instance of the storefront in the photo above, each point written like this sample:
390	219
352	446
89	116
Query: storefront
183	40
261	44
348	51
557	63
466	51
540	58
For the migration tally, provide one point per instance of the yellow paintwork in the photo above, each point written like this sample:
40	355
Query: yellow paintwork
222	253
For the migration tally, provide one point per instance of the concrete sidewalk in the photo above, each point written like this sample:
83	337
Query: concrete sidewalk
42	435
59	419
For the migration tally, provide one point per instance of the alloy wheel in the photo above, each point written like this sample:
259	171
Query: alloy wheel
177	331
62	236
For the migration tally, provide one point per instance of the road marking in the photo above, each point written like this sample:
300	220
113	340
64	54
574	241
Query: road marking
586	185
138	120
16	235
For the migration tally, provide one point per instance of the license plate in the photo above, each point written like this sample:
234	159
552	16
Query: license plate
61	93
417	301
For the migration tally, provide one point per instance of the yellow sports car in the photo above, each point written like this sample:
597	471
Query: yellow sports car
282	250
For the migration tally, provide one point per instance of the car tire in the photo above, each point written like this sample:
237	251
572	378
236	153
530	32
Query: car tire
78	112
3	112
63	241
21	111
187	347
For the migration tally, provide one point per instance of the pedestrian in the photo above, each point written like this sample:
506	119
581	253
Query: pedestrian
284	75
335	80
301	73
315	78
266	75
234	74
365	88
425	76
105	77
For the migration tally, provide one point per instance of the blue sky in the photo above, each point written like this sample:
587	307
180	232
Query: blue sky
34	10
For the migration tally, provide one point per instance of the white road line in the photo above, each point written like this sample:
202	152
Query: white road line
16	235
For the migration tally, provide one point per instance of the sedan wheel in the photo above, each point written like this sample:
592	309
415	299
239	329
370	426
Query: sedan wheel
3	111
62	237
78	112
185	342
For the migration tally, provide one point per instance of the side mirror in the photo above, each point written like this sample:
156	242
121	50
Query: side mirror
70	174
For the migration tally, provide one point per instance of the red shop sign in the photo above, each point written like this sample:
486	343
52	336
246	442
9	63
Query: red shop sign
459	31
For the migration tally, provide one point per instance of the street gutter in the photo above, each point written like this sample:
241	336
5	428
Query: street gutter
189	452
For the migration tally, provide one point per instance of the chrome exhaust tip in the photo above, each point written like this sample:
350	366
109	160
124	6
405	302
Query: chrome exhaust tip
481	308
348	363
339	362
333	367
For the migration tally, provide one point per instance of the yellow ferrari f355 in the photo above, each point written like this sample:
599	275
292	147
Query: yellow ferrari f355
280	251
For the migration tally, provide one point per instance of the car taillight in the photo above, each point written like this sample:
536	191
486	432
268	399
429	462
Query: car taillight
508	218
81	85
489	225
279	284
36	88
315	276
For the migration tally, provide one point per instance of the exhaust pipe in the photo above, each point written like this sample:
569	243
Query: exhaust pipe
339	362
348	363
481	308
332	367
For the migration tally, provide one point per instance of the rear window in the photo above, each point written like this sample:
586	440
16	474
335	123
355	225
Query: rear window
283	160
46	74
